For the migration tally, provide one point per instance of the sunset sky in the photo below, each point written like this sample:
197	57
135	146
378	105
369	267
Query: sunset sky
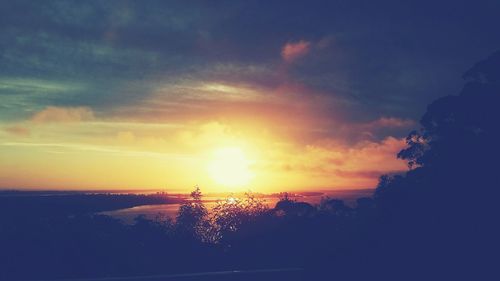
229	95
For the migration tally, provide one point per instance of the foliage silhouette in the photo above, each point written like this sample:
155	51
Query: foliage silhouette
228	215
445	205
192	216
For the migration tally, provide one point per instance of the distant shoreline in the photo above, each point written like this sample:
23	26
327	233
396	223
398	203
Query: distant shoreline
42	191
76	203
71	202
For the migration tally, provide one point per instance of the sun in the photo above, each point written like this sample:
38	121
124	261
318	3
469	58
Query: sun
229	167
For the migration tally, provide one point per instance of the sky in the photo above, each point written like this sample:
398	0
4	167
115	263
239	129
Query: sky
229	95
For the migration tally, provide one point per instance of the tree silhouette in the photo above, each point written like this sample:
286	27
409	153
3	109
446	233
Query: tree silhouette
228	215
291	207
192	216
454	150
334	207
463	127
448	197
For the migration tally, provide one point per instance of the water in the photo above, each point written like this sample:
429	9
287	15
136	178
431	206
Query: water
170	210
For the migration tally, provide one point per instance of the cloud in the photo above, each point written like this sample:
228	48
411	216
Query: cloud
360	164
325	42
63	114
126	136
293	51
391	122
18	131
369	174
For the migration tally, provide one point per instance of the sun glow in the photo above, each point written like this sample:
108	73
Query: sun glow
229	167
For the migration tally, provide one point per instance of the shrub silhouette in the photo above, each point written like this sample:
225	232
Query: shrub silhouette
192	216
228	215
334	207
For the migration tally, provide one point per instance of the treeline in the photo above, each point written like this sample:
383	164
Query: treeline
63	204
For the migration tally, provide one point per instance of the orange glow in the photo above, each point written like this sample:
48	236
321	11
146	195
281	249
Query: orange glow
270	141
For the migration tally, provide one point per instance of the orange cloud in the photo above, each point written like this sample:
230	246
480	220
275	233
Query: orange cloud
332	164
292	51
18	131
63	114
391	122
370	174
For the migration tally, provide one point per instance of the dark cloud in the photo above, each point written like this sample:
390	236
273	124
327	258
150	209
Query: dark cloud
381	58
